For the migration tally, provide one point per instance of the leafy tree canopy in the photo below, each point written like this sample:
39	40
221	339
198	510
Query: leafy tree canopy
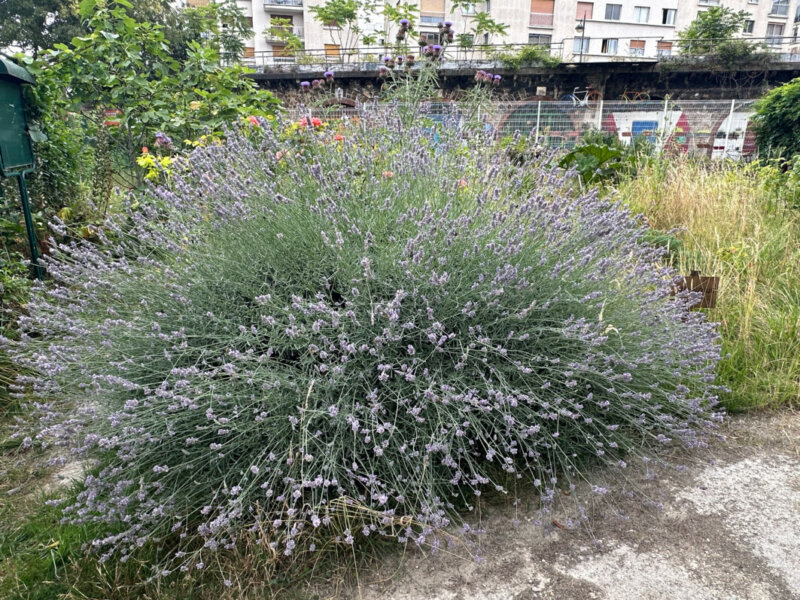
712	26
778	120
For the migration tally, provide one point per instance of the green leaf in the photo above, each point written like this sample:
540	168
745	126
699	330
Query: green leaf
86	8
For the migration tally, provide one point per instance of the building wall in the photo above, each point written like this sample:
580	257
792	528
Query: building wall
653	34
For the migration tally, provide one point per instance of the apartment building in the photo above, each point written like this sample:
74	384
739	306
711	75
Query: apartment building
576	30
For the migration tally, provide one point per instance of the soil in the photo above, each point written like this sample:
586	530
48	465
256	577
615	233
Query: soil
727	527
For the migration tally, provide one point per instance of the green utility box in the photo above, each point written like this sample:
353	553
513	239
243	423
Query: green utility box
16	152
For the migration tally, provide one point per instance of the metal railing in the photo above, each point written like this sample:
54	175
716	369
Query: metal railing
541	19
268	4
278	33
656	49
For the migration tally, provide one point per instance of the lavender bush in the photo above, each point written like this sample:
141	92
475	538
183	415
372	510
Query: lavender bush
394	323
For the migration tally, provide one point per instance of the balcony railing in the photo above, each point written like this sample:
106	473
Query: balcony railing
277	34
541	19
270	3
431	18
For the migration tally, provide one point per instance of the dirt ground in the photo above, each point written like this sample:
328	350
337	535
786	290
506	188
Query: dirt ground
726	528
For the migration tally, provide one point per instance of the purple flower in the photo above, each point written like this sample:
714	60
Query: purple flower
162	139
305	85
405	22
328	75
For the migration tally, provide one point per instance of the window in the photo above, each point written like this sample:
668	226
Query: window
636	48
709	2
468	9
613	12
664	49
609	46
748	26
332	50
779	8
249	21
641	14
249	52
429	37
431	12
538	39
584	10
580	45
774	34
668	16
542	13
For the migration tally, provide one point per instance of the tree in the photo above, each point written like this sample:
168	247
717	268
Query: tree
778	120
126	65
341	16
710	28
36	26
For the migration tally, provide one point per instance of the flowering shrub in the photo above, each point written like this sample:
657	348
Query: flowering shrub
276	338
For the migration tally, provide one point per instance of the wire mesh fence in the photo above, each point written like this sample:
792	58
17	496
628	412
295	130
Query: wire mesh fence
714	128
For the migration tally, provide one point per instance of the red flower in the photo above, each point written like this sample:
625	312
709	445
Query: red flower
315	122
338	137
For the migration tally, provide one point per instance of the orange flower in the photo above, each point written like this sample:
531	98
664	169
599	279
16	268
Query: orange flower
338	137
145	150
388	174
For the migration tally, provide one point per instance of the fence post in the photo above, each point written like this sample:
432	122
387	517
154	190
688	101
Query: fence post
663	137
728	128
600	116
538	118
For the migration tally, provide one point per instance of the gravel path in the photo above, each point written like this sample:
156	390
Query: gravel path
728	528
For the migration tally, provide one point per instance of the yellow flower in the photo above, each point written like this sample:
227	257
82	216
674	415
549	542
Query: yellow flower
195	105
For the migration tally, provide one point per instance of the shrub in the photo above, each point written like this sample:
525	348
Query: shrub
387	325
778	120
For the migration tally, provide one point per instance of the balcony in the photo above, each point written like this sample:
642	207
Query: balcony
288	4
279	34
541	19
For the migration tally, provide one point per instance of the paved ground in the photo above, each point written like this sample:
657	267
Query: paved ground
727	529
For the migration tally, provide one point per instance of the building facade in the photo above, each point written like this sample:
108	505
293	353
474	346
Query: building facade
574	30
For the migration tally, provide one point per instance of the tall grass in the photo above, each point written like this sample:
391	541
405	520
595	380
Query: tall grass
732	226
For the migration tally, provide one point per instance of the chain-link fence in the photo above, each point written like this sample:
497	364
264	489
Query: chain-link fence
713	128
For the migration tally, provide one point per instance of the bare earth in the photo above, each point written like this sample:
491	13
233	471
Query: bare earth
728	528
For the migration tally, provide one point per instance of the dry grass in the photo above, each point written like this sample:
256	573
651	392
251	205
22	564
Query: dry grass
732	226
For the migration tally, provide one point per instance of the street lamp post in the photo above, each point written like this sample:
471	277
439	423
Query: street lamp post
581	26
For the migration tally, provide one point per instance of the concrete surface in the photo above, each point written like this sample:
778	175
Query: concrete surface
727	528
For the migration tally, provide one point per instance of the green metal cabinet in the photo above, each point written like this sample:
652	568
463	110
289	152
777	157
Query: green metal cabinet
16	152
